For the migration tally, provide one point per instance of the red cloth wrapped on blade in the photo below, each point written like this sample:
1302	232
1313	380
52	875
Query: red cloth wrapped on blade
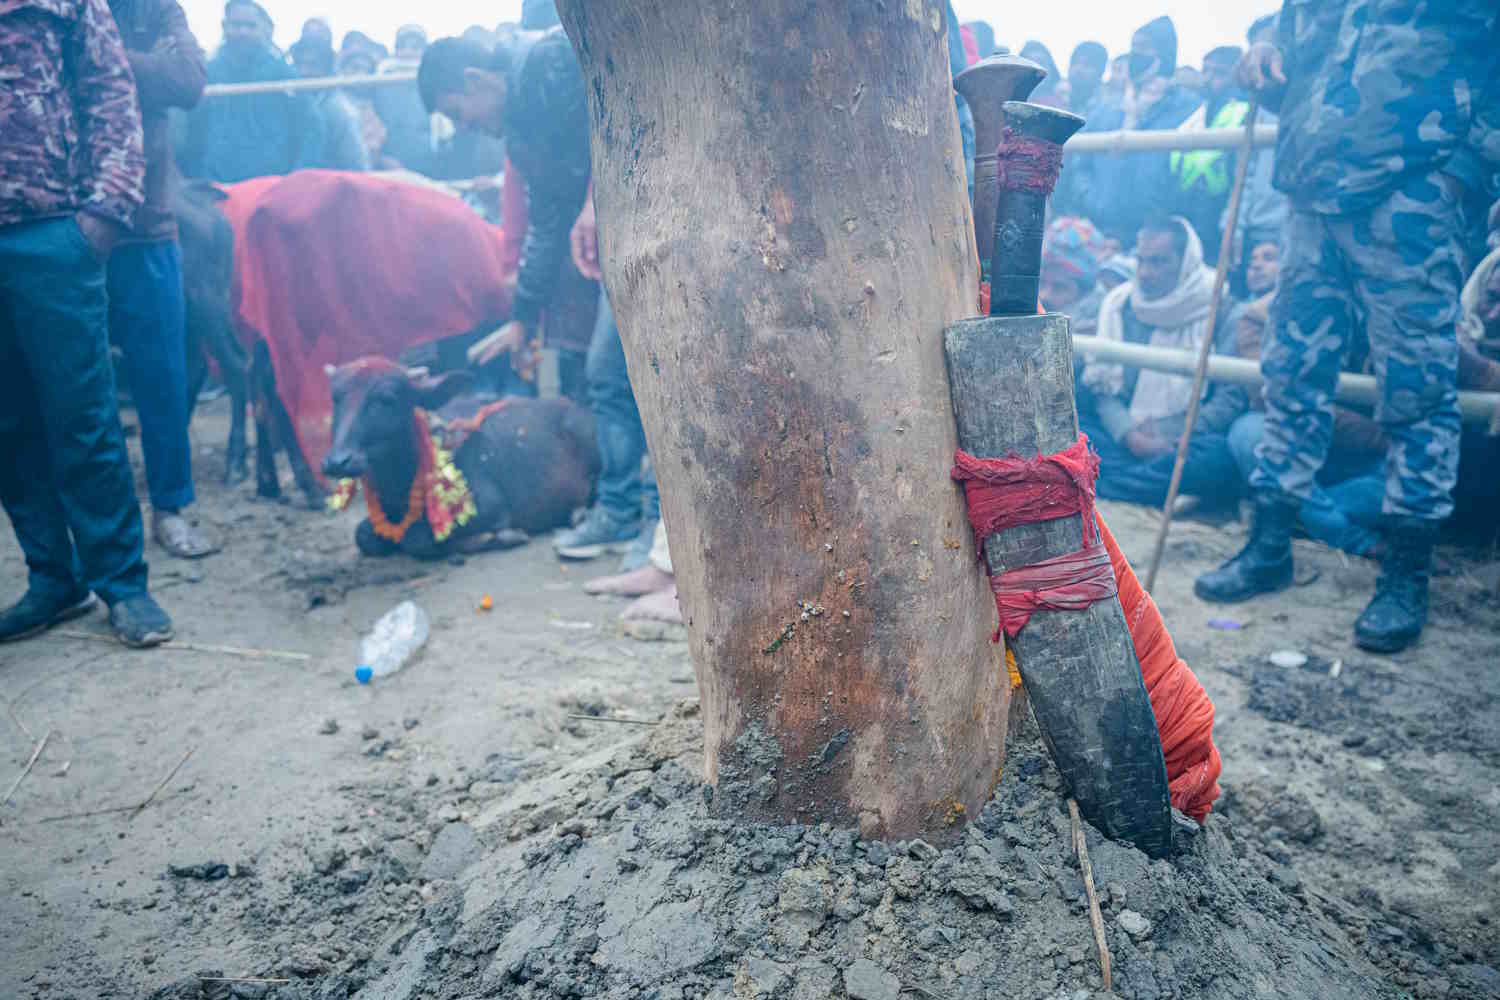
1006	492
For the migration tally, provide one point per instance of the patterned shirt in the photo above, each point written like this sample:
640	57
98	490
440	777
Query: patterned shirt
70	129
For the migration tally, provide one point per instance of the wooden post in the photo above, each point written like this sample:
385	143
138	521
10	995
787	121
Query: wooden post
1012	382
785	232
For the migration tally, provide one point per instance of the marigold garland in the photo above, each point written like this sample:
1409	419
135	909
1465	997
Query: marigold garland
438	492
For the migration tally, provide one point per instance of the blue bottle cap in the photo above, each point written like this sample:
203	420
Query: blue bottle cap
363	674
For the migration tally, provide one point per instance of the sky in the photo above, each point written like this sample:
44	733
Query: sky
1058	24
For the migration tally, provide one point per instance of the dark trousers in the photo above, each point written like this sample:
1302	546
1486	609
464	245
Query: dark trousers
625	490
146	318
1395	271
1209	471
65	476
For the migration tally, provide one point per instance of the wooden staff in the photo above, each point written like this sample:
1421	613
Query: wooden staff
1225	245
1096	919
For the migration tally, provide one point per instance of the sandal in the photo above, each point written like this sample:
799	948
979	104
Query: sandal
174	533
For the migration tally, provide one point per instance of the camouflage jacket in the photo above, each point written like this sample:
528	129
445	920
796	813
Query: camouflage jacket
70	131
1380	90
169	73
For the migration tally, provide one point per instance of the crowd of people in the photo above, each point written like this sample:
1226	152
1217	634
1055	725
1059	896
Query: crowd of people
1365	242
1360	244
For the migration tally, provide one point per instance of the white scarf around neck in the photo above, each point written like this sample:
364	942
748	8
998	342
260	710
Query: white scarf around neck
1179	319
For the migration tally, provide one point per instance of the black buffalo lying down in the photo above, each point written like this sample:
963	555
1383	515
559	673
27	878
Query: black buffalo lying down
445	472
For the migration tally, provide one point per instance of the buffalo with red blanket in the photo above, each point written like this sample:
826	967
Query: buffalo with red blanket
323	267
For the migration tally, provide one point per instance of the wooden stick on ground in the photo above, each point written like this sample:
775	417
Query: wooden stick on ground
88	813
1225	246
1080	844
10	710
193	647
41	744
163	783
605	718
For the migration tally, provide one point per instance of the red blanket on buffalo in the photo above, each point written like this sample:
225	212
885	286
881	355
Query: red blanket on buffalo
332	266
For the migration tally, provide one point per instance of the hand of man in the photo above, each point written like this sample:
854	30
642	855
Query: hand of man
1144	444
1261	68
509	339
585	242
102	234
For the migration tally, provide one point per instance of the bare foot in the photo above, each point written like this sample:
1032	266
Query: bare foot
646	580
660	606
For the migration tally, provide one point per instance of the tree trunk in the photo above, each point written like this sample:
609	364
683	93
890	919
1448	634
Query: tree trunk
785	233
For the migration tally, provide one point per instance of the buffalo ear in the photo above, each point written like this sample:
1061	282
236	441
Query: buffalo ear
432	391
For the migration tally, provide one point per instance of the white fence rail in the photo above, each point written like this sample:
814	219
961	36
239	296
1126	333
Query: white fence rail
1085	142
1477	407
311	83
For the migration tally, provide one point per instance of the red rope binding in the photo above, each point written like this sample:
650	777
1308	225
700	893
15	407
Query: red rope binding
1023	163
1006	492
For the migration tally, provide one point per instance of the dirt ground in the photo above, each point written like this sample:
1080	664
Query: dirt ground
316	821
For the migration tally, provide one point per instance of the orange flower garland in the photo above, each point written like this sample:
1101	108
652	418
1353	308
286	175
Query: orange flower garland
438	492
415	508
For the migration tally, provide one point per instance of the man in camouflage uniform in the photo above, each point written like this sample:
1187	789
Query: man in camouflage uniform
1388	112
71	178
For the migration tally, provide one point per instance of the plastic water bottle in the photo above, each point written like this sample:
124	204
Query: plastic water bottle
392	643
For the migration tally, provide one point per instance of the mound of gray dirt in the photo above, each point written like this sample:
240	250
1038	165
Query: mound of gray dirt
610	880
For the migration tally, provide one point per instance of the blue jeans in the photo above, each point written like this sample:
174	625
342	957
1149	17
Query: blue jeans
625	491
146	318
65	477
1343	515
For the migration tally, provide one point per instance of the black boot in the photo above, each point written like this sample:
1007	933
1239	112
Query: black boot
1394	617
1264	565
36	612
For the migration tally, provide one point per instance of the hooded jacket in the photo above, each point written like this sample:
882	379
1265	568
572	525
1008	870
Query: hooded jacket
252	135
1118	190
1163	35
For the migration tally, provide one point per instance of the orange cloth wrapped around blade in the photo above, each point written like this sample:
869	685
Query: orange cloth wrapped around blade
1184	713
